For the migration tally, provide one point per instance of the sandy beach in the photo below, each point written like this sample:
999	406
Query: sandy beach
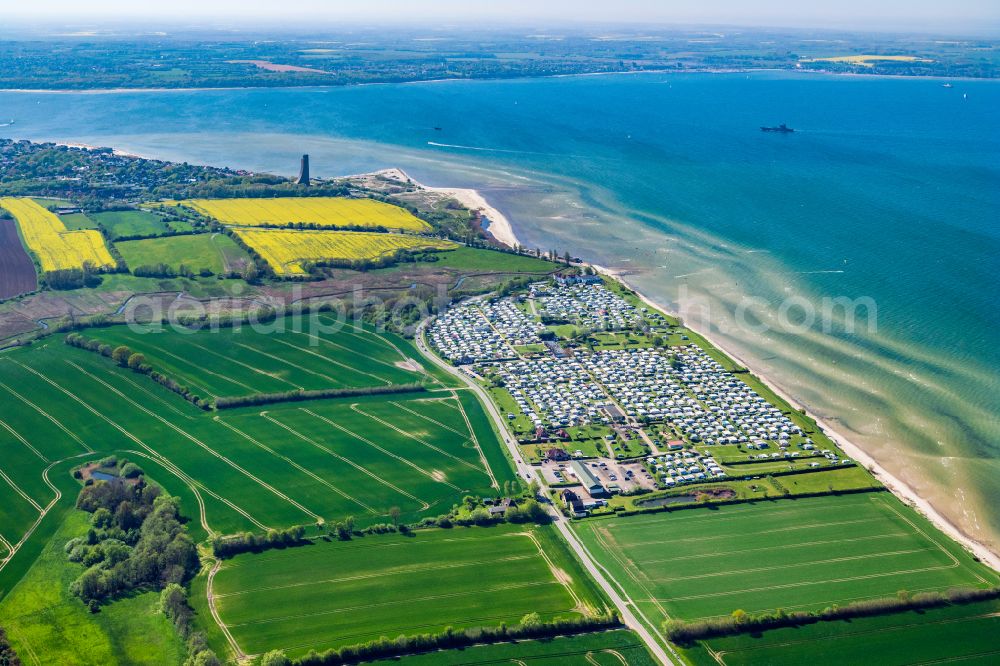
499	226
87	146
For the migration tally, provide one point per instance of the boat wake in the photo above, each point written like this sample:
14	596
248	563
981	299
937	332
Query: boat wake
480	148
508	151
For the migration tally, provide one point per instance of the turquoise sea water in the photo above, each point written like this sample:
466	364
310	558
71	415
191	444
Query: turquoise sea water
888	194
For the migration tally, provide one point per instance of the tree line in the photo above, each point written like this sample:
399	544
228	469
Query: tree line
531	627
72	278
740	621
162	270
175	605
126	358
736	500
249	542
300	394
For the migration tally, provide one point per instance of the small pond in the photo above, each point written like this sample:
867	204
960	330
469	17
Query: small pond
668	500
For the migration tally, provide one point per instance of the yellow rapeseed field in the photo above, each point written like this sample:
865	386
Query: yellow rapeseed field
47	237
322	211
285	250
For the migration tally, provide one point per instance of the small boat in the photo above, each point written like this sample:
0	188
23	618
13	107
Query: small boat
781	129
947	85
437	129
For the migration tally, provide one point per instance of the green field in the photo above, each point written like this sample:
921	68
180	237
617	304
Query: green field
195	287
47	625
292	463
762	487
958	634
468	258
609	648
75	221
285	355
216	252
794	554
341	593
131	223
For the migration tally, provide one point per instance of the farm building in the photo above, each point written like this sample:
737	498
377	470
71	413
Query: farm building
587	478
501	507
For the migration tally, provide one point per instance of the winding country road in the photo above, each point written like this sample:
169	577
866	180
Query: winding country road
622	602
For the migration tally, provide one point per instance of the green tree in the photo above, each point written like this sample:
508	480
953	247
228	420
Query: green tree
204	658
173	600
274	658
120	355
531	620
130	470
136	361
250	272
394	514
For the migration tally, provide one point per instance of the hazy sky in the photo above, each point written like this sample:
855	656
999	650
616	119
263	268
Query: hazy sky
983	15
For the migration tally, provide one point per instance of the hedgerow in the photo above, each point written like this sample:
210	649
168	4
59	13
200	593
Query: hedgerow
740	621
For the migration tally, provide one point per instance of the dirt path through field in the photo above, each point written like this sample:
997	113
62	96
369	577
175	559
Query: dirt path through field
209	591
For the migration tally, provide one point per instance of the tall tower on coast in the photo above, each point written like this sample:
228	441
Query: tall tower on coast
304	172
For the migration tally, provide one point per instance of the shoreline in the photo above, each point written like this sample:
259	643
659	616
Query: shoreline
906	493
497	223
500	227
897	487
705	70
114	151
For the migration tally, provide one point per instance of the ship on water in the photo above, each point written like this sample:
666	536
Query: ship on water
782	129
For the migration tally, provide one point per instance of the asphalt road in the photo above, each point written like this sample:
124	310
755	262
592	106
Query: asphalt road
622	603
